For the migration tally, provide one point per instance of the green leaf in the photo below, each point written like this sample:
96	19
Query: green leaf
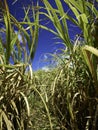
75	11
54	18
58	19
92	9
8	31
63	21
13	42
84	18
79	5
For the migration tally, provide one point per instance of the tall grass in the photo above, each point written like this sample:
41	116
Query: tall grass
15	69
65	97
73	92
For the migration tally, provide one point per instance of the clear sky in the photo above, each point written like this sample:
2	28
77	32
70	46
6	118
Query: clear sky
46	43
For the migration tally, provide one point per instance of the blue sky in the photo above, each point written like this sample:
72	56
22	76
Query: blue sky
46	43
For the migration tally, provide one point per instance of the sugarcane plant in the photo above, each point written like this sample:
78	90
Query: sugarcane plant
16	56
67	102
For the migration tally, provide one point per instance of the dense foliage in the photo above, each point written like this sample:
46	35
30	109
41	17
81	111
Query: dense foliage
63	98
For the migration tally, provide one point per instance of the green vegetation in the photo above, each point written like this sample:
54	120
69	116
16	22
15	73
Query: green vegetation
63	98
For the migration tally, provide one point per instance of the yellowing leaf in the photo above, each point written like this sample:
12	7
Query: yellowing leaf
7	121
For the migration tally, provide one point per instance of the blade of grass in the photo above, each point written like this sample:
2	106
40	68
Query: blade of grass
7	121
54	17
35	33
8	31
63	19
27	104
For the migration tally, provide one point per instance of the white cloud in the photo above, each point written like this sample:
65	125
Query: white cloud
45	68
45	57
19	37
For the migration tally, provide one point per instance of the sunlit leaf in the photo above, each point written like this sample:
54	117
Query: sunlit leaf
26	102
7	121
